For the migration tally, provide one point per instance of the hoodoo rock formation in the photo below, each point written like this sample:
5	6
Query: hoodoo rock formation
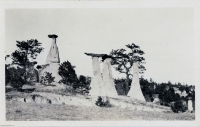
53	56
96	83
135	91
53	61
108	82
102	85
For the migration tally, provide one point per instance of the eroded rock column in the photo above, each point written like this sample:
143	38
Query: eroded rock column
190	107
96	82
53	56
53	60
108	88
135	91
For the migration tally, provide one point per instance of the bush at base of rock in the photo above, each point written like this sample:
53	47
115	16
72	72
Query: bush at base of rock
47	78
102	102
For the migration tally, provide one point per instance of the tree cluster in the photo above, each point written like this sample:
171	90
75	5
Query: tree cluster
14	77
24	58
126	59
165	91
69	77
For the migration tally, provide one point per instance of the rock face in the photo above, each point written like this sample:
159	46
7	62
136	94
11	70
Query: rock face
108	88
135	91
53	60
190	107
53	56
102	85
96	83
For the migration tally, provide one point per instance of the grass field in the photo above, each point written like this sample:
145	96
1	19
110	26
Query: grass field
19	111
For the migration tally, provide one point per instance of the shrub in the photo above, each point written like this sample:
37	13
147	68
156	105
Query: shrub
101	103
47	78
14	77
68	74
18	111
83	85
121	86
17	82
178	106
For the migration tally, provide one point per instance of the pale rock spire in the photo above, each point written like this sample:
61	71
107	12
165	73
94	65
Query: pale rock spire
108	88
96	82
135	91
53	60
53	56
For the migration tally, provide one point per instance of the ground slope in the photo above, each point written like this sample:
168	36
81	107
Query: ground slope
19	111
75	108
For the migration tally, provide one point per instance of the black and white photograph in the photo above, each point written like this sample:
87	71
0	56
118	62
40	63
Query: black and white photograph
99	63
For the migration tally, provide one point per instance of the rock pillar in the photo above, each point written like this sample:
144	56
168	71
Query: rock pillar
135	90
53	56
190	107
96	82
108	88
53	60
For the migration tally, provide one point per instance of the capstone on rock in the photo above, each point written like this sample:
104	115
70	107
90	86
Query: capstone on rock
102	85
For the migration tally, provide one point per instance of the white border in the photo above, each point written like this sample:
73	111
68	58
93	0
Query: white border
102	4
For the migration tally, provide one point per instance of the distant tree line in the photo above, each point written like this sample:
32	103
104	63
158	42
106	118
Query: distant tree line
165	91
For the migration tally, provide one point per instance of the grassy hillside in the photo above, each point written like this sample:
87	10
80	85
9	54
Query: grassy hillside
19	111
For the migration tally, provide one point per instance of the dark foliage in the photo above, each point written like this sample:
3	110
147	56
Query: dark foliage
121	86
125	60
15	77
26	51
84	82
165	91
47	78
68	74
39	67
101	103
147	87
178	106
7	75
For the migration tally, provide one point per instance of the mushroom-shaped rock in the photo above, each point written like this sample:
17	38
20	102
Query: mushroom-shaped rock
53	60
102	85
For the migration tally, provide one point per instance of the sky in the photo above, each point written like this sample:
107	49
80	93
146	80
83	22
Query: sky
166	35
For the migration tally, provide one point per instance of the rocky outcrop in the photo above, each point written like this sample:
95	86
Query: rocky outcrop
135	91
190	106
